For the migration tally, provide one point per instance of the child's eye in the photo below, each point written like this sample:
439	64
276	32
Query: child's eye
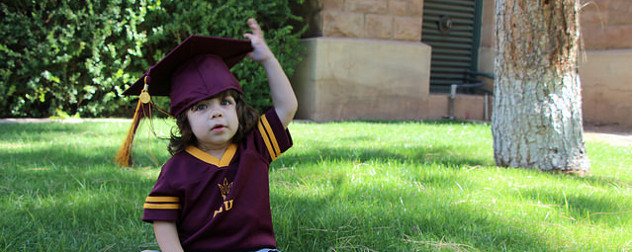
199	107
226	102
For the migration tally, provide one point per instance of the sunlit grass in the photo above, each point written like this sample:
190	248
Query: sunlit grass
348	186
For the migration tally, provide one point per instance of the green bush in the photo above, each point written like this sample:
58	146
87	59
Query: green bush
79	56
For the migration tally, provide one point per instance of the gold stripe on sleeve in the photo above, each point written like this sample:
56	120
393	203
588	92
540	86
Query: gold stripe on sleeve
264	135
275	144
161	199
161	206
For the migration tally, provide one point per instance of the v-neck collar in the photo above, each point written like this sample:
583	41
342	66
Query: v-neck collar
208	158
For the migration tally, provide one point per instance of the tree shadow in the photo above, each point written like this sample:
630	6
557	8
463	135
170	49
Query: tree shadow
364	218
582	206
417	154
74	144
431	122
79	199
88	212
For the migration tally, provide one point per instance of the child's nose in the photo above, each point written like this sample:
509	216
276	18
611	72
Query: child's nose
215	113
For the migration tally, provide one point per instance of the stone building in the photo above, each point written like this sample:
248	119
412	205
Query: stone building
399	59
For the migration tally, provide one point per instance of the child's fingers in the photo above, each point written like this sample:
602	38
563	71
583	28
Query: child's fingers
256	29
253	39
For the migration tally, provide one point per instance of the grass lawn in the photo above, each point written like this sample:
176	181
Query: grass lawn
350	186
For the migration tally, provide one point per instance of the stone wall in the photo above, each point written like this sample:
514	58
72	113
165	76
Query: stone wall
398	20
606	24
607	87
606	62
361	79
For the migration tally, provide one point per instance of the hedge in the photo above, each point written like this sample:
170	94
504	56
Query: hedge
77	57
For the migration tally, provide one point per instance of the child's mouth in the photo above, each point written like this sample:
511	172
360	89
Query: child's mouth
218	128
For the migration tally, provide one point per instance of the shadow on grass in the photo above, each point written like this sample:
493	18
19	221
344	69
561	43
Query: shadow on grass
72	144
412	154
75	211
64	199
55	152
40	131
76	158
583	206
399	122
380	220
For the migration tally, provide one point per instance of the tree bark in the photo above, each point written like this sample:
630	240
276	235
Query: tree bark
537	120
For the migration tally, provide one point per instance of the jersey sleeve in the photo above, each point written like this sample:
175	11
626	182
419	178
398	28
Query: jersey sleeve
274	136
163	203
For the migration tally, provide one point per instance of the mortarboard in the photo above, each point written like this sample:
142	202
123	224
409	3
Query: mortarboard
195	70
199	67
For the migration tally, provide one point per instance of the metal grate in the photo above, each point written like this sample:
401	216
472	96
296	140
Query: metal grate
452	28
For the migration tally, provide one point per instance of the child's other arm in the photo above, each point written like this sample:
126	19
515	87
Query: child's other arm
281	91
167	236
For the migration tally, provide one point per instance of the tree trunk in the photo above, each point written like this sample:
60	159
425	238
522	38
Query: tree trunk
537	120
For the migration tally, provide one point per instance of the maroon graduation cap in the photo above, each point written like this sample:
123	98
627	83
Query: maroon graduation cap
197	69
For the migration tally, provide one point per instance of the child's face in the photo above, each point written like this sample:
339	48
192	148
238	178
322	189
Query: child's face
214	121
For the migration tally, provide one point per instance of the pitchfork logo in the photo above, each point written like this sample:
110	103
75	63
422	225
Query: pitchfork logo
227	205
224	188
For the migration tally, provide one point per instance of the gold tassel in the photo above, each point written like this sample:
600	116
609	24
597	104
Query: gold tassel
124	155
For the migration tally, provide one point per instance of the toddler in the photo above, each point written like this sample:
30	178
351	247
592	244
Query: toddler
213	193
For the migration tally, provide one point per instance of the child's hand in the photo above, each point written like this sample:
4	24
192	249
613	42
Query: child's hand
261	50
281	91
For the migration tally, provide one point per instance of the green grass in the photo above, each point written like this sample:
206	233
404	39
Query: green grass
350	186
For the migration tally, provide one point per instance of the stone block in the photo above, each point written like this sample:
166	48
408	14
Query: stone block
597	37
415	7
406	7
407	28
593	17
358	79
621	16
606	87
607	12
378	26
398	7
342	24
596	6
620	5
367	6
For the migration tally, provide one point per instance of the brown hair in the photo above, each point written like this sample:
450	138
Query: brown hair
247	116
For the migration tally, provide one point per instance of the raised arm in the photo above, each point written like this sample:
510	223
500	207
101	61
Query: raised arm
281	90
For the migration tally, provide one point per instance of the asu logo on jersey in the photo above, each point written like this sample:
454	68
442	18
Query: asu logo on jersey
227	205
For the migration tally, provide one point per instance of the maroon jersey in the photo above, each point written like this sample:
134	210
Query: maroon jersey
221	205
